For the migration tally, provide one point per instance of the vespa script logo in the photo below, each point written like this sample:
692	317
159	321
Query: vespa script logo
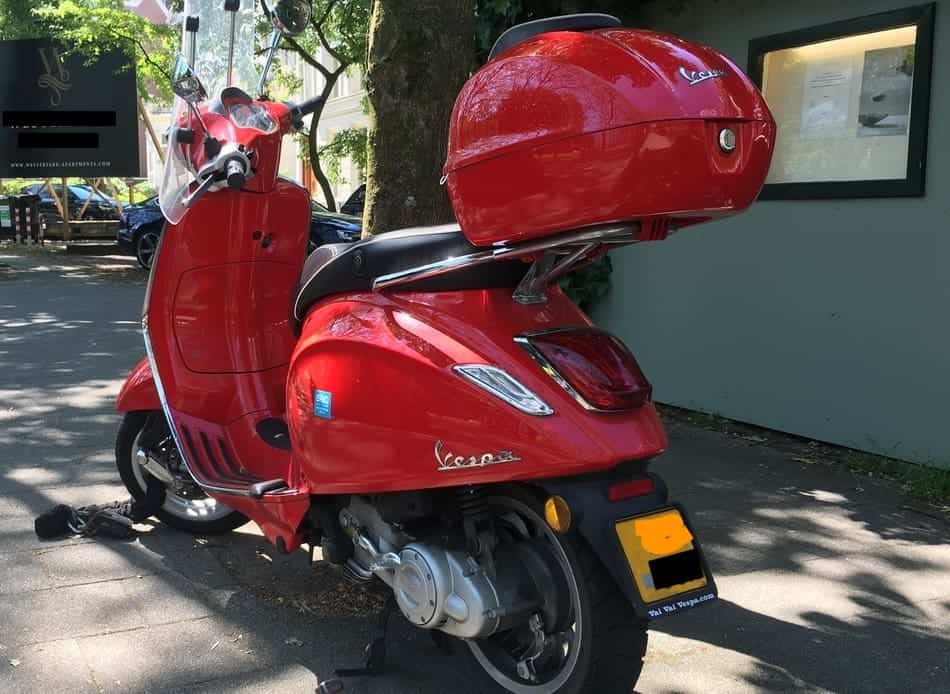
697	76
449	461
56	77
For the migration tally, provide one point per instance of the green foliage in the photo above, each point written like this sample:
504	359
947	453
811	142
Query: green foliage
493	17
349	143
345	27
919	481
337	37
93	27
586	285
16	21
10	187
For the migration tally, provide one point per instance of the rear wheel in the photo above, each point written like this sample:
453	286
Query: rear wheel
186	506
146	243
597	645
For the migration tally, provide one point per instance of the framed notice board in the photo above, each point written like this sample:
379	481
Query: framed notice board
851	101
60	116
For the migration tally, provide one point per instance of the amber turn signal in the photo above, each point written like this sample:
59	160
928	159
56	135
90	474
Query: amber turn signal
558	514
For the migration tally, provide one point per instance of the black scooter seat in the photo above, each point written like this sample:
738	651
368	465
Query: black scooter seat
344	268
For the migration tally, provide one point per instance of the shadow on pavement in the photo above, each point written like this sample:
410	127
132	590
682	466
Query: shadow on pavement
827	582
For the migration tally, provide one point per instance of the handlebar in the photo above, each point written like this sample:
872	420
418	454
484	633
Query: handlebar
235	174
304	108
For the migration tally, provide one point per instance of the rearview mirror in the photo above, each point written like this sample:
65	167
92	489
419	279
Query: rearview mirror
291	17
185	83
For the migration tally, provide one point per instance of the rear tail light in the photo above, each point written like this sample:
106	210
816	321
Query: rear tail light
593	366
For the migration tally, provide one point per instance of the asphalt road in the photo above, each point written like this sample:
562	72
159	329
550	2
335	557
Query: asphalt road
828	582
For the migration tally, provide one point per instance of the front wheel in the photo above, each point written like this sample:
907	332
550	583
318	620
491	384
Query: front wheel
186	506
601	644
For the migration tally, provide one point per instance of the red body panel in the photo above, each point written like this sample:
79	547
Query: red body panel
218	321
138	392
387	361
573	129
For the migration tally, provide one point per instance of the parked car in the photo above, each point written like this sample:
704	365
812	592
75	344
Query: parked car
354	203
140	229
332	227
142	226
100	206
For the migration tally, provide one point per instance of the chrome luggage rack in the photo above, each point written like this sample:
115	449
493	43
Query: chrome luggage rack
558	254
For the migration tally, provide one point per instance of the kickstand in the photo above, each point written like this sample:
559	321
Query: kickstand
375	649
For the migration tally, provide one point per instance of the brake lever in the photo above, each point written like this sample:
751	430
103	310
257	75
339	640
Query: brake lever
201	190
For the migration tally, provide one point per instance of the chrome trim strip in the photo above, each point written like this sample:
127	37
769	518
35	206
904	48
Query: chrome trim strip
524	342
440	267
614	234
622	233
161	396
460	370
171	422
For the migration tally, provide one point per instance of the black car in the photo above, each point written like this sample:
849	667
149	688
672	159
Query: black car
142	226
354	203
332	227
140	230
100	206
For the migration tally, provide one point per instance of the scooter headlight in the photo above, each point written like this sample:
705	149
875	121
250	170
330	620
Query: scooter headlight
502	385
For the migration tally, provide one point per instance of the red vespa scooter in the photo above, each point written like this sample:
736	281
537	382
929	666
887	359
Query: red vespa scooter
426	405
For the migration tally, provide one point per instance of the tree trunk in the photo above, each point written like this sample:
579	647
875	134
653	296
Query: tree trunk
420	54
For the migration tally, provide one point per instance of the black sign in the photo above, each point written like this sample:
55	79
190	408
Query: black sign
62	116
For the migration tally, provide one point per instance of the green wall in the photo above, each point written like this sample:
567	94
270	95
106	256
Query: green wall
828	319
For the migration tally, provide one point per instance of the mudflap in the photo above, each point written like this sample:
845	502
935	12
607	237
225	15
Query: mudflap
599	521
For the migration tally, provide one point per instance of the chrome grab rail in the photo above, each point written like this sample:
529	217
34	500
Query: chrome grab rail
590	239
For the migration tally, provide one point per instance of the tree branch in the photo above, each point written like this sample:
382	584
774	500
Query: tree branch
145	54
329	49
318	26
326	13
309	59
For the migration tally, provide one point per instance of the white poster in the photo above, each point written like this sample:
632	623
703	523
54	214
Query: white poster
885	91
826	101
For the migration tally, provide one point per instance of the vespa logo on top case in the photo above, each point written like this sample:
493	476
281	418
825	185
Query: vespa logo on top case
449	461
695	77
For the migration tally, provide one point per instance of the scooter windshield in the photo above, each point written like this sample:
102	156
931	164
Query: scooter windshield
212	42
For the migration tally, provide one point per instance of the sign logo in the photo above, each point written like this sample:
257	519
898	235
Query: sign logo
449	461
695	77
56	77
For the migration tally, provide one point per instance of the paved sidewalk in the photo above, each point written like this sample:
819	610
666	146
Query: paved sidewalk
828	581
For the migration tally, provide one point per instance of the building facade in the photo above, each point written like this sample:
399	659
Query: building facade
343	110
823	318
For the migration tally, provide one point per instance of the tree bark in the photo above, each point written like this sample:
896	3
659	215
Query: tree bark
420	54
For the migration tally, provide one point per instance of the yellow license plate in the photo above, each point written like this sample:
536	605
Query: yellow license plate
661	553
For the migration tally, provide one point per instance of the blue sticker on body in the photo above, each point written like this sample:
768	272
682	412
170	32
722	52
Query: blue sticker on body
322	400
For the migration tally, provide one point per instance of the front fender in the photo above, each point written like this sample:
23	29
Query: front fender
139	391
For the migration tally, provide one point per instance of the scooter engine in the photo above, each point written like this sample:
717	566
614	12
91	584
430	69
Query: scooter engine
435	587
446	590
